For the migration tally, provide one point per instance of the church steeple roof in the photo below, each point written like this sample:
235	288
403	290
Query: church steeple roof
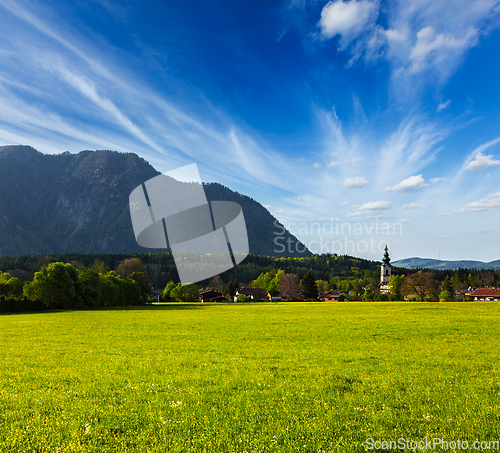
386	260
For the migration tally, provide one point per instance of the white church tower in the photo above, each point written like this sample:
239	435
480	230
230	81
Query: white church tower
385	272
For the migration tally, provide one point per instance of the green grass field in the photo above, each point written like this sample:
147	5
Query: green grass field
287	377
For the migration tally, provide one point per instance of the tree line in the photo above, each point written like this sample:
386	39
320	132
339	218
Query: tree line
72	285
81	280
160	267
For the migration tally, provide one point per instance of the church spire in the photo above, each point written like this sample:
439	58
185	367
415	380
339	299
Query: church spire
386	259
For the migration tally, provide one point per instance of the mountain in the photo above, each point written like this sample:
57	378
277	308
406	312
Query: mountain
78	203
414	263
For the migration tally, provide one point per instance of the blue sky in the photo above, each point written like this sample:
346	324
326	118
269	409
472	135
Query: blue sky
354	123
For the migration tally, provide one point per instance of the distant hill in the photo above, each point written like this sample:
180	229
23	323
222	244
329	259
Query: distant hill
78	203
414	263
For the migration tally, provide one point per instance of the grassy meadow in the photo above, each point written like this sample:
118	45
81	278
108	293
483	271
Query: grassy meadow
285	377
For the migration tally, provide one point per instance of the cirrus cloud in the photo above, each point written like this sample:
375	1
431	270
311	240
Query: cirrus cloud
443	105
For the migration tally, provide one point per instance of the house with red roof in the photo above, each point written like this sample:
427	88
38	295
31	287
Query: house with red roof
335	296
486	294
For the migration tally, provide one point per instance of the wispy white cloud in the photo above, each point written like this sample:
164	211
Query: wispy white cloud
336	163
413	206
371	209
341	149
77	102
443	105
374	206
410	184
88	89
435	180
411	147
357	181
485	204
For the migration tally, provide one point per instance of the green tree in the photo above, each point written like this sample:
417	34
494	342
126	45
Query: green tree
263	281
10	287
444	296
166	292
367	295
178	293
192	292
144	284
395	283
230	290
358	287
322	285
447	285
120	291
100	267
91	287
110	284
309	289
56	286
274	284
185	293
5	277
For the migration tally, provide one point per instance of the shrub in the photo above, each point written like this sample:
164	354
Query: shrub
12	305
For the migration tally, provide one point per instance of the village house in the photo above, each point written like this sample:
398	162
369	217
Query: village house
274	296
335	298
322	294
209	295
156	294
253	294
492	294
332	296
